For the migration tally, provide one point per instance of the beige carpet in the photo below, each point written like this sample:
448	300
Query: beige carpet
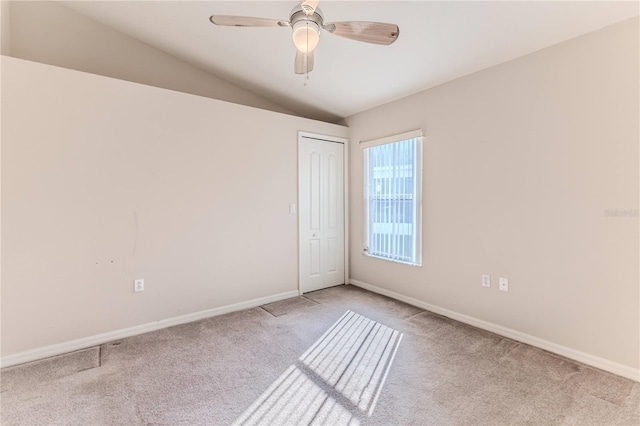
337	356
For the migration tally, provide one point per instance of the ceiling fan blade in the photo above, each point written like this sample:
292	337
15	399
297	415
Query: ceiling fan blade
369	32
309	6
246	21
304	62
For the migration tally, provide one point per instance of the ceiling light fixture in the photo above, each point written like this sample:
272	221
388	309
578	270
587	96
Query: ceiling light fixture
306	20
306	35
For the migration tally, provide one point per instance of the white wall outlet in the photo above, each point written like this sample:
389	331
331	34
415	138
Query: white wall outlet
504	284
138	285
292	208
486	281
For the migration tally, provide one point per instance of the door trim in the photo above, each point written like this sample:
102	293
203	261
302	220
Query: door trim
345	190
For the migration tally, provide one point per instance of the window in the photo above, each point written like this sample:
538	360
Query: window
393	197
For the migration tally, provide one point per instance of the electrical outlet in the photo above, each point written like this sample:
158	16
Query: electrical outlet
486	281
504	284
138	285
292	208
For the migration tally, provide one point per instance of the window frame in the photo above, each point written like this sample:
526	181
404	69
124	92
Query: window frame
418	172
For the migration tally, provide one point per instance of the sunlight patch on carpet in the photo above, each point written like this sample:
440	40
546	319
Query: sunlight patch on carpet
336	381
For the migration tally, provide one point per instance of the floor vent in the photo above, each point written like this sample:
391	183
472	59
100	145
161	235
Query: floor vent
34	373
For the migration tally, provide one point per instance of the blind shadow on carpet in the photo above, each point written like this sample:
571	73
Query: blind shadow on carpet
336	381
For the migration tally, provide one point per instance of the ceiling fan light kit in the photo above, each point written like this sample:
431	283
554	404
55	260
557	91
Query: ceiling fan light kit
306	34
306	21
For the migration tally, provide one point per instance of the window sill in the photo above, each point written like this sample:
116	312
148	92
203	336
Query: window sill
373	256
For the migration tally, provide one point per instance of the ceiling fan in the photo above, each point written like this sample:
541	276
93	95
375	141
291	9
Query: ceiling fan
306	21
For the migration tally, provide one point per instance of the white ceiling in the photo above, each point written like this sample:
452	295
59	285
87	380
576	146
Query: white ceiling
439	41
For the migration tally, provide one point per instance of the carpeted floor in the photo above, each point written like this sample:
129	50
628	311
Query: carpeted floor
336	356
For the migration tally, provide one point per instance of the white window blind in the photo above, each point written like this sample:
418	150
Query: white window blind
393	186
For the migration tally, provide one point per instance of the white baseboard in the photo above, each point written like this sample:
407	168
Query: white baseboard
98	339
592	360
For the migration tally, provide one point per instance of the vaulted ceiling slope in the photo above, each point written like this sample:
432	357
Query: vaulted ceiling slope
439	41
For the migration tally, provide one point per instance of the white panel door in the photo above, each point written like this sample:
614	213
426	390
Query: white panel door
321	213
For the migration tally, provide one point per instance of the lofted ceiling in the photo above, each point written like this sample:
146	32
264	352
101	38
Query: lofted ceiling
439	41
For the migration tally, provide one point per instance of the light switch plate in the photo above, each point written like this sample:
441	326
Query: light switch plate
486	281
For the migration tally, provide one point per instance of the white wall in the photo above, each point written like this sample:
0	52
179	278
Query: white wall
520	163
48	32
105	181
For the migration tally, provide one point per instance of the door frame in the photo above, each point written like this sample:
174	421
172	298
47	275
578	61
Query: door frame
345	181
